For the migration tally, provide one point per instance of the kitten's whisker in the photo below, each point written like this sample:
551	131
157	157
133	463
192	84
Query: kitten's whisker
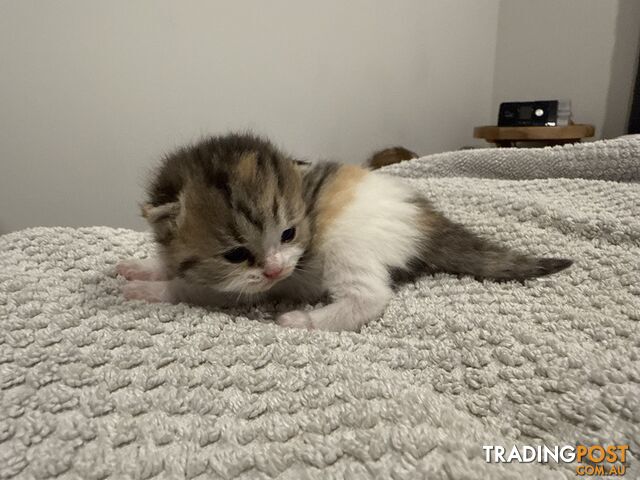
241	293
302	269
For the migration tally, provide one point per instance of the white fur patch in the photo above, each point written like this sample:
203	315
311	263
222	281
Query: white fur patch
375	232
378	229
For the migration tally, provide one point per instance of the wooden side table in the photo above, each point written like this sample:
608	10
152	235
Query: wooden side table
509	136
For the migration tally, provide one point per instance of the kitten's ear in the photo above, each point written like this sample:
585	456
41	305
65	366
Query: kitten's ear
301	165
161	212
163	219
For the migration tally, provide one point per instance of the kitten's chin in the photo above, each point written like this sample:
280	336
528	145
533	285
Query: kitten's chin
257	289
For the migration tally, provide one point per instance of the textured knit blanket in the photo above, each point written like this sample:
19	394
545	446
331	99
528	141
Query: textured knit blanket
94	387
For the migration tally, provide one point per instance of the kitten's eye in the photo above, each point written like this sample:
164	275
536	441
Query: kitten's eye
288	235
238	255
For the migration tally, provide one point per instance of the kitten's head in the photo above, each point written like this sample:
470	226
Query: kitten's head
239	221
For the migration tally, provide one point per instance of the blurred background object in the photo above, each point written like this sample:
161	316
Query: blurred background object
389	156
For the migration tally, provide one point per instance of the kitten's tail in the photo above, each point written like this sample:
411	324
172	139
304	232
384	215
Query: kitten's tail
452	248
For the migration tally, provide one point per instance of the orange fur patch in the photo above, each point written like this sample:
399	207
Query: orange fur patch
336	195
247	166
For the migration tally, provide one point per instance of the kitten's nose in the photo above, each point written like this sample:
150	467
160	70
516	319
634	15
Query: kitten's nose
272	272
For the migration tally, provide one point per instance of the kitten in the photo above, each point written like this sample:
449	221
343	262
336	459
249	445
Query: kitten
238	221
389	156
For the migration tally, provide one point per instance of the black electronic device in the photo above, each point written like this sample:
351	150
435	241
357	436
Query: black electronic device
538	113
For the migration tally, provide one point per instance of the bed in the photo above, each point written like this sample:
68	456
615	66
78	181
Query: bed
94	387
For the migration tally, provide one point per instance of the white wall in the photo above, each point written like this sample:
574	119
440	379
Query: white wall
92	92
583	50
624	65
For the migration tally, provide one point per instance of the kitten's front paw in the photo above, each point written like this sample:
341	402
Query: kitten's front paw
295	319
149	291
133	269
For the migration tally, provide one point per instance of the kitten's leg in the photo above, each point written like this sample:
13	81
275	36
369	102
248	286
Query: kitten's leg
356	304
149	269
177	290
149	291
